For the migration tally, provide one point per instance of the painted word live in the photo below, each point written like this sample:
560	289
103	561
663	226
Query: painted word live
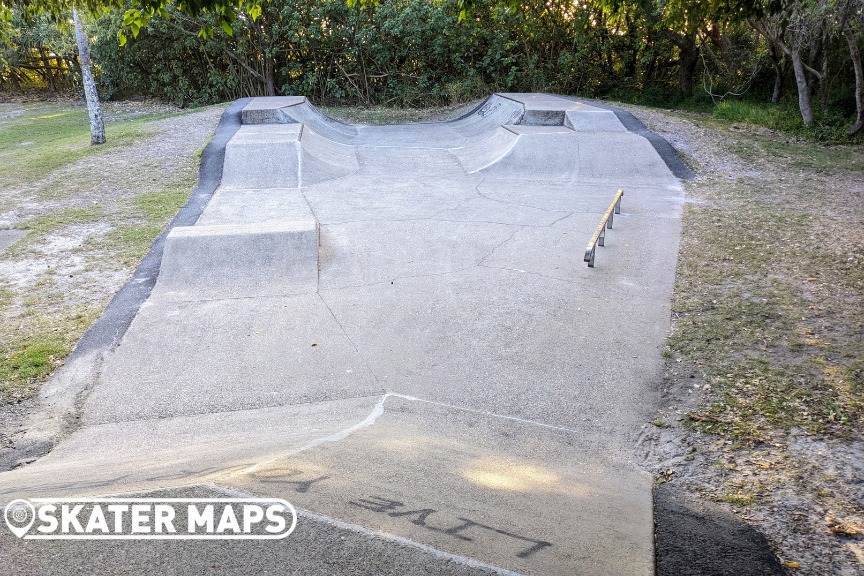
150	518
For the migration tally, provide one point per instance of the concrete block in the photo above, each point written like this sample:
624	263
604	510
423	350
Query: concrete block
594	120
269	110
263	156
239	261
252	207
543	118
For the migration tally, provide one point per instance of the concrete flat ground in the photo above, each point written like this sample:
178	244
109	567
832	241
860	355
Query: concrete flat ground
392	327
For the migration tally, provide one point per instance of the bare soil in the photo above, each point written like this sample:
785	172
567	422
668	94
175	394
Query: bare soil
87	233
778	438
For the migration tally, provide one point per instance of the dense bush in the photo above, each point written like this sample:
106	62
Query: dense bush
418	52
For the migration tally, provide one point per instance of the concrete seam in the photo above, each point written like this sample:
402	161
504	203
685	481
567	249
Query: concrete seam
370	419
482	412
230	411
519	270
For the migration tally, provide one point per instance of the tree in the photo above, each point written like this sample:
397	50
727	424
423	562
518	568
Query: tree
91	95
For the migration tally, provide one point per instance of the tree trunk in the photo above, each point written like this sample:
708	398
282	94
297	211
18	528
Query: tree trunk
49	73
778	84
97	126
687	67
778	62
269	75
801	82
824	84
688	59
859	79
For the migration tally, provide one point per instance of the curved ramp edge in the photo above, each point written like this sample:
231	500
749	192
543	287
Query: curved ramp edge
482	153
283	156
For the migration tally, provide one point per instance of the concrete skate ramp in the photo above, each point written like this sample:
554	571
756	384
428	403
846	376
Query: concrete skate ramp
476	138
296	110
495	111
239	260
263	156
543	138
559	153
392	327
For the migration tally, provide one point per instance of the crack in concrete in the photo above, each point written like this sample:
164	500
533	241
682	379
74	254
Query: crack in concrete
350	341
517	204
492	252
521	271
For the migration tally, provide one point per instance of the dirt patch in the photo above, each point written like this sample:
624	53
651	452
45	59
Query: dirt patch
762	401
87	229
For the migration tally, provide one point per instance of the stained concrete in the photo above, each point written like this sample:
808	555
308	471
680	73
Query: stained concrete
455	360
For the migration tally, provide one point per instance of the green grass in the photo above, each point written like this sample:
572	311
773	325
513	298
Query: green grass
829	127
23	362
738	500
27	359
48	137
42	319
61	219
130	243
785	116
769	298
162	204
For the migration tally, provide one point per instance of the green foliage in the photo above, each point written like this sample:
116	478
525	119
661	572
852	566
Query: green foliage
404	52
38	52
696	55
829	127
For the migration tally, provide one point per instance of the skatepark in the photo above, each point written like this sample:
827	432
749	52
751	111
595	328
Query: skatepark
394	329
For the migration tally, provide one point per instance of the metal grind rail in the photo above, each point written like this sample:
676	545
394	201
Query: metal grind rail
606	222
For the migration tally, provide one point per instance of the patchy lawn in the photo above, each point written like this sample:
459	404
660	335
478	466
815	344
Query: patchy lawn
90	213
764	391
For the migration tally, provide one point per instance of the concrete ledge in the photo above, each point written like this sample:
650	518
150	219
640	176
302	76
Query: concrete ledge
239	261
269	110
593	121
263	156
